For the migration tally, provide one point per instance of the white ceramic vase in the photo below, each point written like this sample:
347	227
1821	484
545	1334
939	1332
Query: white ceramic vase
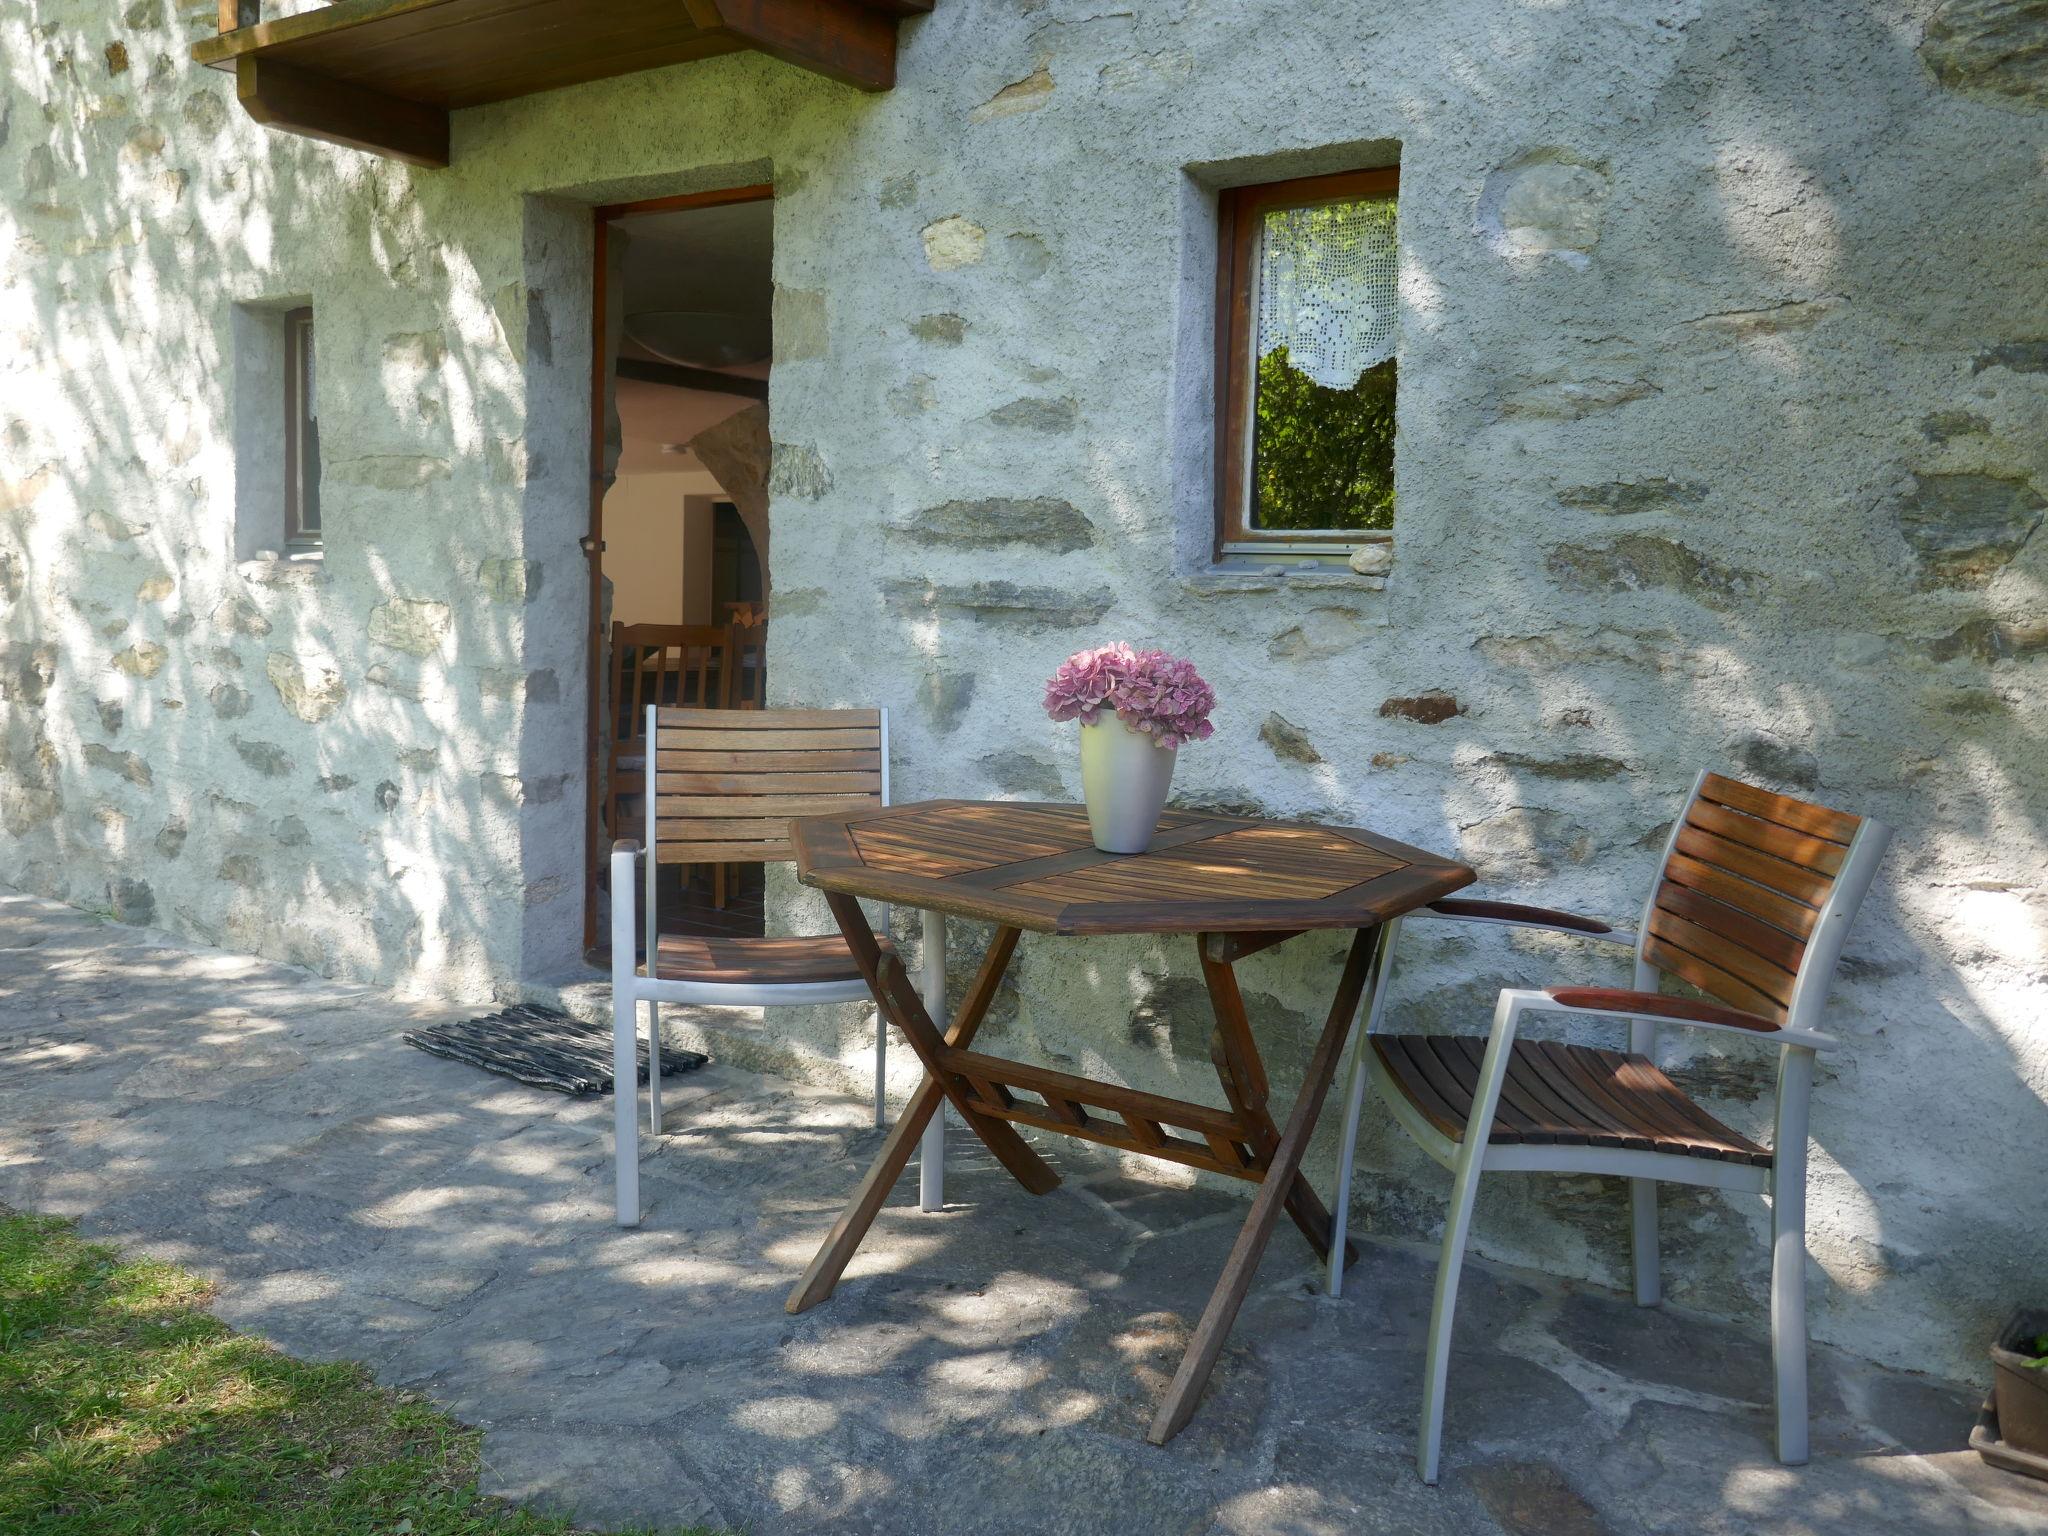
1124	778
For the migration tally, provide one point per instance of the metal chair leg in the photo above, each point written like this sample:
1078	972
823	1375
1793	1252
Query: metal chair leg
1354	1098
1788	1253
1436	1368
653	1067
625	1019
625	1107
1340	1207
881	1070
1642	1215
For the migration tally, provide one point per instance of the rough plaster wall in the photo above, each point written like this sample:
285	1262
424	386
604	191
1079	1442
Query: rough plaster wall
1722	441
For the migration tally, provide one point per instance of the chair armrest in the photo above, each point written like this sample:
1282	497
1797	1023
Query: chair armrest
1514	914
1619	1002
628	845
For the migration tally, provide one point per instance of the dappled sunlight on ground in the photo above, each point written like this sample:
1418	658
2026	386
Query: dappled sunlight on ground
356	1199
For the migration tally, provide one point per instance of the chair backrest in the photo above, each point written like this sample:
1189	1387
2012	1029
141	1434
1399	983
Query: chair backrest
724	783
749	688
664	665
1755	898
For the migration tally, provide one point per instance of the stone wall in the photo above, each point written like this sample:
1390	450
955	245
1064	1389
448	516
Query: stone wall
1723	440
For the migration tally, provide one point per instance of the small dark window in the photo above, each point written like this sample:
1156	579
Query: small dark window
301	435
1307	316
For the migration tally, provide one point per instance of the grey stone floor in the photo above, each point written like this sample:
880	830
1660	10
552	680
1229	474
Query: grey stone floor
987	1369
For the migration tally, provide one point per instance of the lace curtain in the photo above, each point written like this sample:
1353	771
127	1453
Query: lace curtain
1329	288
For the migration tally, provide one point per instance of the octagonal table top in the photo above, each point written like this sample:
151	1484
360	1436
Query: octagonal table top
1034	866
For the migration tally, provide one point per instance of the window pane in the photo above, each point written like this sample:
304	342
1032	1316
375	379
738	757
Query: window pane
1323	405
309	437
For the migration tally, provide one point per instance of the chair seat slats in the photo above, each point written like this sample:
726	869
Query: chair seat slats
1557	1094
755	962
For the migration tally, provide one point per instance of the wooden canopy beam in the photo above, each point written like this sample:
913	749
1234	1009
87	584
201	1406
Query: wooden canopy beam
385	75
282	96
840	39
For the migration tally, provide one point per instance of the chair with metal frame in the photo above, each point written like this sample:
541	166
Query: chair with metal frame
1751	909
722	787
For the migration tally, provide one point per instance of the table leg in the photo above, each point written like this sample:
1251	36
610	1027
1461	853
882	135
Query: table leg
1275	1191
1236	1056
931	1152
853	1223
898	999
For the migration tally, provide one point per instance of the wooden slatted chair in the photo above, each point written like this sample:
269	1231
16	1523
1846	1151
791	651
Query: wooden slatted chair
1751	910
658	664
725	783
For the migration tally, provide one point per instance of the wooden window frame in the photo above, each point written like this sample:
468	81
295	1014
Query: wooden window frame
1240	211
298	329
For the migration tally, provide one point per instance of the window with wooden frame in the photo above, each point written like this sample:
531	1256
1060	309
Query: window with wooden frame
1307	318
301	435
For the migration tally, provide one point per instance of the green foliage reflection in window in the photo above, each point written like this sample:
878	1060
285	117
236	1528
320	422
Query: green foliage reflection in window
1322	458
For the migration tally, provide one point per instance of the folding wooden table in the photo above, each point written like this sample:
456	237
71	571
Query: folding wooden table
1238	885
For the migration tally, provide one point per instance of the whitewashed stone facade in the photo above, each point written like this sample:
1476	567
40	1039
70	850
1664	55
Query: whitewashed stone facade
1723	440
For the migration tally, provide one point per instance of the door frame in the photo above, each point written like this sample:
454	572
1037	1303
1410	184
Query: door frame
602	215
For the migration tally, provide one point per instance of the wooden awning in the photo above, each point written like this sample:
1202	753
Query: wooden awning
383	75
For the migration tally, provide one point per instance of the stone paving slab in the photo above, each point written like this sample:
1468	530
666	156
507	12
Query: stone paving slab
990	1368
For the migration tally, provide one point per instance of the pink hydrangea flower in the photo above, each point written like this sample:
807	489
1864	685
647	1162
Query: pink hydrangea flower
1159	695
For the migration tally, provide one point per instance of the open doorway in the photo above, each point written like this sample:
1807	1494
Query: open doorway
679	512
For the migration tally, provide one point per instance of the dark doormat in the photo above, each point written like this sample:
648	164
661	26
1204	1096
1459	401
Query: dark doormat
543	1048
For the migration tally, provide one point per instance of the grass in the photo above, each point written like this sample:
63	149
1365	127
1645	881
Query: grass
125	1410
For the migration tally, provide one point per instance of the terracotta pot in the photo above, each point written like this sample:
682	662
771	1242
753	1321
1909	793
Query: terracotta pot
2021	1389
1124	778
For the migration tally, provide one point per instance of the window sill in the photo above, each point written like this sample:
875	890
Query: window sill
298	568
1243	573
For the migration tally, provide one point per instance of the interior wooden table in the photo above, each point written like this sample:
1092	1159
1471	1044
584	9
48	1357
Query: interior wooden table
1237	885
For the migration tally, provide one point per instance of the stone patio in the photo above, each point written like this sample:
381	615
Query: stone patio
990	1368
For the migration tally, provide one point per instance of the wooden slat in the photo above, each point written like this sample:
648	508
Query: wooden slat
1801	885
755	721
723	853
693	738
865	784
1797	815
768	762
738	829
1794	917
1733	924
1110	1097
1814	853
678	806
1772	981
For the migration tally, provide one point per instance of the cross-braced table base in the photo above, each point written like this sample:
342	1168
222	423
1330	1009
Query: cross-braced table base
993	1095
